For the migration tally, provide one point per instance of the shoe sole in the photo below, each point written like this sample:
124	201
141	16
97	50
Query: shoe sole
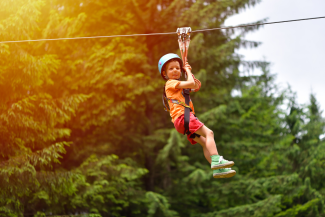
229	174
221	166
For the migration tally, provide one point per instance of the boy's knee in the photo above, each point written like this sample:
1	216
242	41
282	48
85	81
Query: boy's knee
210	133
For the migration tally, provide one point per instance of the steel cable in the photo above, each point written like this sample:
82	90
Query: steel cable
153	34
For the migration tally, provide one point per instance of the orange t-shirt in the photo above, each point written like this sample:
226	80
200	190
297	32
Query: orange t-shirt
172	92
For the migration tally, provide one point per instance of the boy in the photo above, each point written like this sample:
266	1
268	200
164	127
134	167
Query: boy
170	67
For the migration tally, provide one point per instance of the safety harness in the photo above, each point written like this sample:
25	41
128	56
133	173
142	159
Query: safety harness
186	105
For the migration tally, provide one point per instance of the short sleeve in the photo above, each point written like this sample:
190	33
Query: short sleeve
172	84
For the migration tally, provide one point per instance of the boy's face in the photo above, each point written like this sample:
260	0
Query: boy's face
172	70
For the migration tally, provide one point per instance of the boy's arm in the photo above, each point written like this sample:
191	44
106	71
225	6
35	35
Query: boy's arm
190	83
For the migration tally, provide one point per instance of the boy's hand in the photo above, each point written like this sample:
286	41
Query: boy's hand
190	83
187	67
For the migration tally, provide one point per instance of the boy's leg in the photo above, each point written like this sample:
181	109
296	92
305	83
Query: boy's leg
217	161
219	173
210	143
202	141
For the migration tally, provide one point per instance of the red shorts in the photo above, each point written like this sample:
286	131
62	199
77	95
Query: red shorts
194	125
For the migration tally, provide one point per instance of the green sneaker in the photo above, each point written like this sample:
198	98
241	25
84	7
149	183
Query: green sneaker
223	173
218	162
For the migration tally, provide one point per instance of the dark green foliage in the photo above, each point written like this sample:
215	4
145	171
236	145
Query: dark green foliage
83	131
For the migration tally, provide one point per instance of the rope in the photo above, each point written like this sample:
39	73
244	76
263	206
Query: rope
167	33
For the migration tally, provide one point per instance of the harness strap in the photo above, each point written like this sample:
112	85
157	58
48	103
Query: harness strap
187	109
195	135
187	112
165	100
175	101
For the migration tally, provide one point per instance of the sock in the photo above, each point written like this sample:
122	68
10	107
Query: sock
215	158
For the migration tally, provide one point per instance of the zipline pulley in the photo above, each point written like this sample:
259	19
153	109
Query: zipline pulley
184	38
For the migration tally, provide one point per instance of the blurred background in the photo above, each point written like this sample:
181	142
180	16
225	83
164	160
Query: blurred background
83	131
294	49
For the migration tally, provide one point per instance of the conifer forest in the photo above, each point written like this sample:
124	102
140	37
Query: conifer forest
83	131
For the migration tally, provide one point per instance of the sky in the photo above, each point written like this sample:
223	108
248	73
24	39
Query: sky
295	50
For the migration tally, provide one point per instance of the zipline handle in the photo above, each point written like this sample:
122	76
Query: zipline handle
184	38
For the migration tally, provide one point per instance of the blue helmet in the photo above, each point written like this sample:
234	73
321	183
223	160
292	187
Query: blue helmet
164	59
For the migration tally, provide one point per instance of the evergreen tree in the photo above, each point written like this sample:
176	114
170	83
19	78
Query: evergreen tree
55	94
32	135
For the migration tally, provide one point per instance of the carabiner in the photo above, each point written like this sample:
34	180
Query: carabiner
184	38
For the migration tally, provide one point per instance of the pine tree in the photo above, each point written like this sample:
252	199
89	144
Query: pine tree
33	137
51	92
